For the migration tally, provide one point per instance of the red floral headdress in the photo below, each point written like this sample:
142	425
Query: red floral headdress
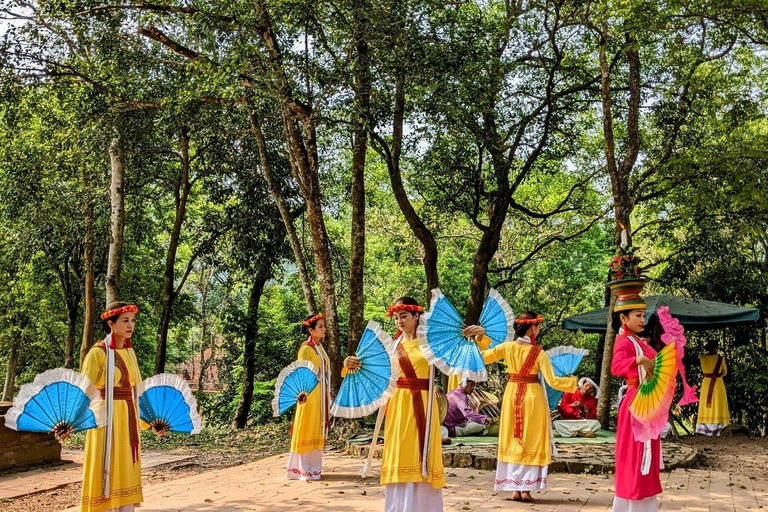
413	308
530	321
307	323
130	308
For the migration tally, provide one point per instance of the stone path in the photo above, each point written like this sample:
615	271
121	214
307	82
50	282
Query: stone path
261	486
19	484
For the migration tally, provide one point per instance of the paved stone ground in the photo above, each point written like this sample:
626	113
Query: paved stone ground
261	486
22	483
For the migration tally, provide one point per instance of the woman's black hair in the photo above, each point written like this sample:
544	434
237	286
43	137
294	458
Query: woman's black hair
110	307
522	329
409	301
305	328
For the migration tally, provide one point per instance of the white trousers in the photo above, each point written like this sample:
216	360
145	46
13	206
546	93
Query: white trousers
412	497
518	477
305	466
470	429
571	428
649	504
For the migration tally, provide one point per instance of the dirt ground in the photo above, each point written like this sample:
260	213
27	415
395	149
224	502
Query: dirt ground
65	497
735	453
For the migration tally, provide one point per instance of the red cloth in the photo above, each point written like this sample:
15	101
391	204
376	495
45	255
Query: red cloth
588	406
630	484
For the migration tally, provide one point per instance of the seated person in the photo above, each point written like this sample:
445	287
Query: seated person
578	411
461	419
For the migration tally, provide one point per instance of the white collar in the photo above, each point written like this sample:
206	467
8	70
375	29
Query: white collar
523	339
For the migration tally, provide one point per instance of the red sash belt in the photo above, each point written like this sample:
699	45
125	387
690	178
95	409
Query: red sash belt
716	374
527	379
416	386
522	380
121	393
633	382
413	384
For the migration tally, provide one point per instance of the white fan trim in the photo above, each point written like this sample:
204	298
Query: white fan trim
176	382
394	374
28	391
567	349
283	375
508	313
442	365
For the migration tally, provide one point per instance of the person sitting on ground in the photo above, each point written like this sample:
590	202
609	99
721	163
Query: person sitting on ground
578	411
462	420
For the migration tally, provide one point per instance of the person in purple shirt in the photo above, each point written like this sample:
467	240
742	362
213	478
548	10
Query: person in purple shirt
461	419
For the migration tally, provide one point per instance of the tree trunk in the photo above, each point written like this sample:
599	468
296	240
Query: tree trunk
285	215
72	312
392	158
303	153
117	200
10	371
204	329
489	244
249	351
619	173
362	103
72	295
89	309
183	187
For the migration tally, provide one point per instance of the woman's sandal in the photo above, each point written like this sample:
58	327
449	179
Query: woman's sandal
516	496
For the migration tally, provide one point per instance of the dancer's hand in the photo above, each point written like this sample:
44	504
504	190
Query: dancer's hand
62	432
352	363
158	427
472	330
648	365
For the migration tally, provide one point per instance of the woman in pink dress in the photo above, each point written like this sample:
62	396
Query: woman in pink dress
638	464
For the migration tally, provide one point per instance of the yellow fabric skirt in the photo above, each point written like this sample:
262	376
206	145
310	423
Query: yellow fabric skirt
401	461
126	474
308	424
534	449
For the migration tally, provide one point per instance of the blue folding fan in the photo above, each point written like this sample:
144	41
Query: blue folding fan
565	359
497	319
364	390
167	403
294	383
59	399
443	345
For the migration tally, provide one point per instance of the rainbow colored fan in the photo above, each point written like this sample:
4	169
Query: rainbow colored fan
167	403
650	407
366	389
294	384
59	400
565	359
497	319
443	345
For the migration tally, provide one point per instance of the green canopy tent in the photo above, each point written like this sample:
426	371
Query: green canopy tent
694	314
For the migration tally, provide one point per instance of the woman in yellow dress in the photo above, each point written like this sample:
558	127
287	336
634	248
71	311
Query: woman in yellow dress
524	443
112	460
310	425
412	461
713	415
